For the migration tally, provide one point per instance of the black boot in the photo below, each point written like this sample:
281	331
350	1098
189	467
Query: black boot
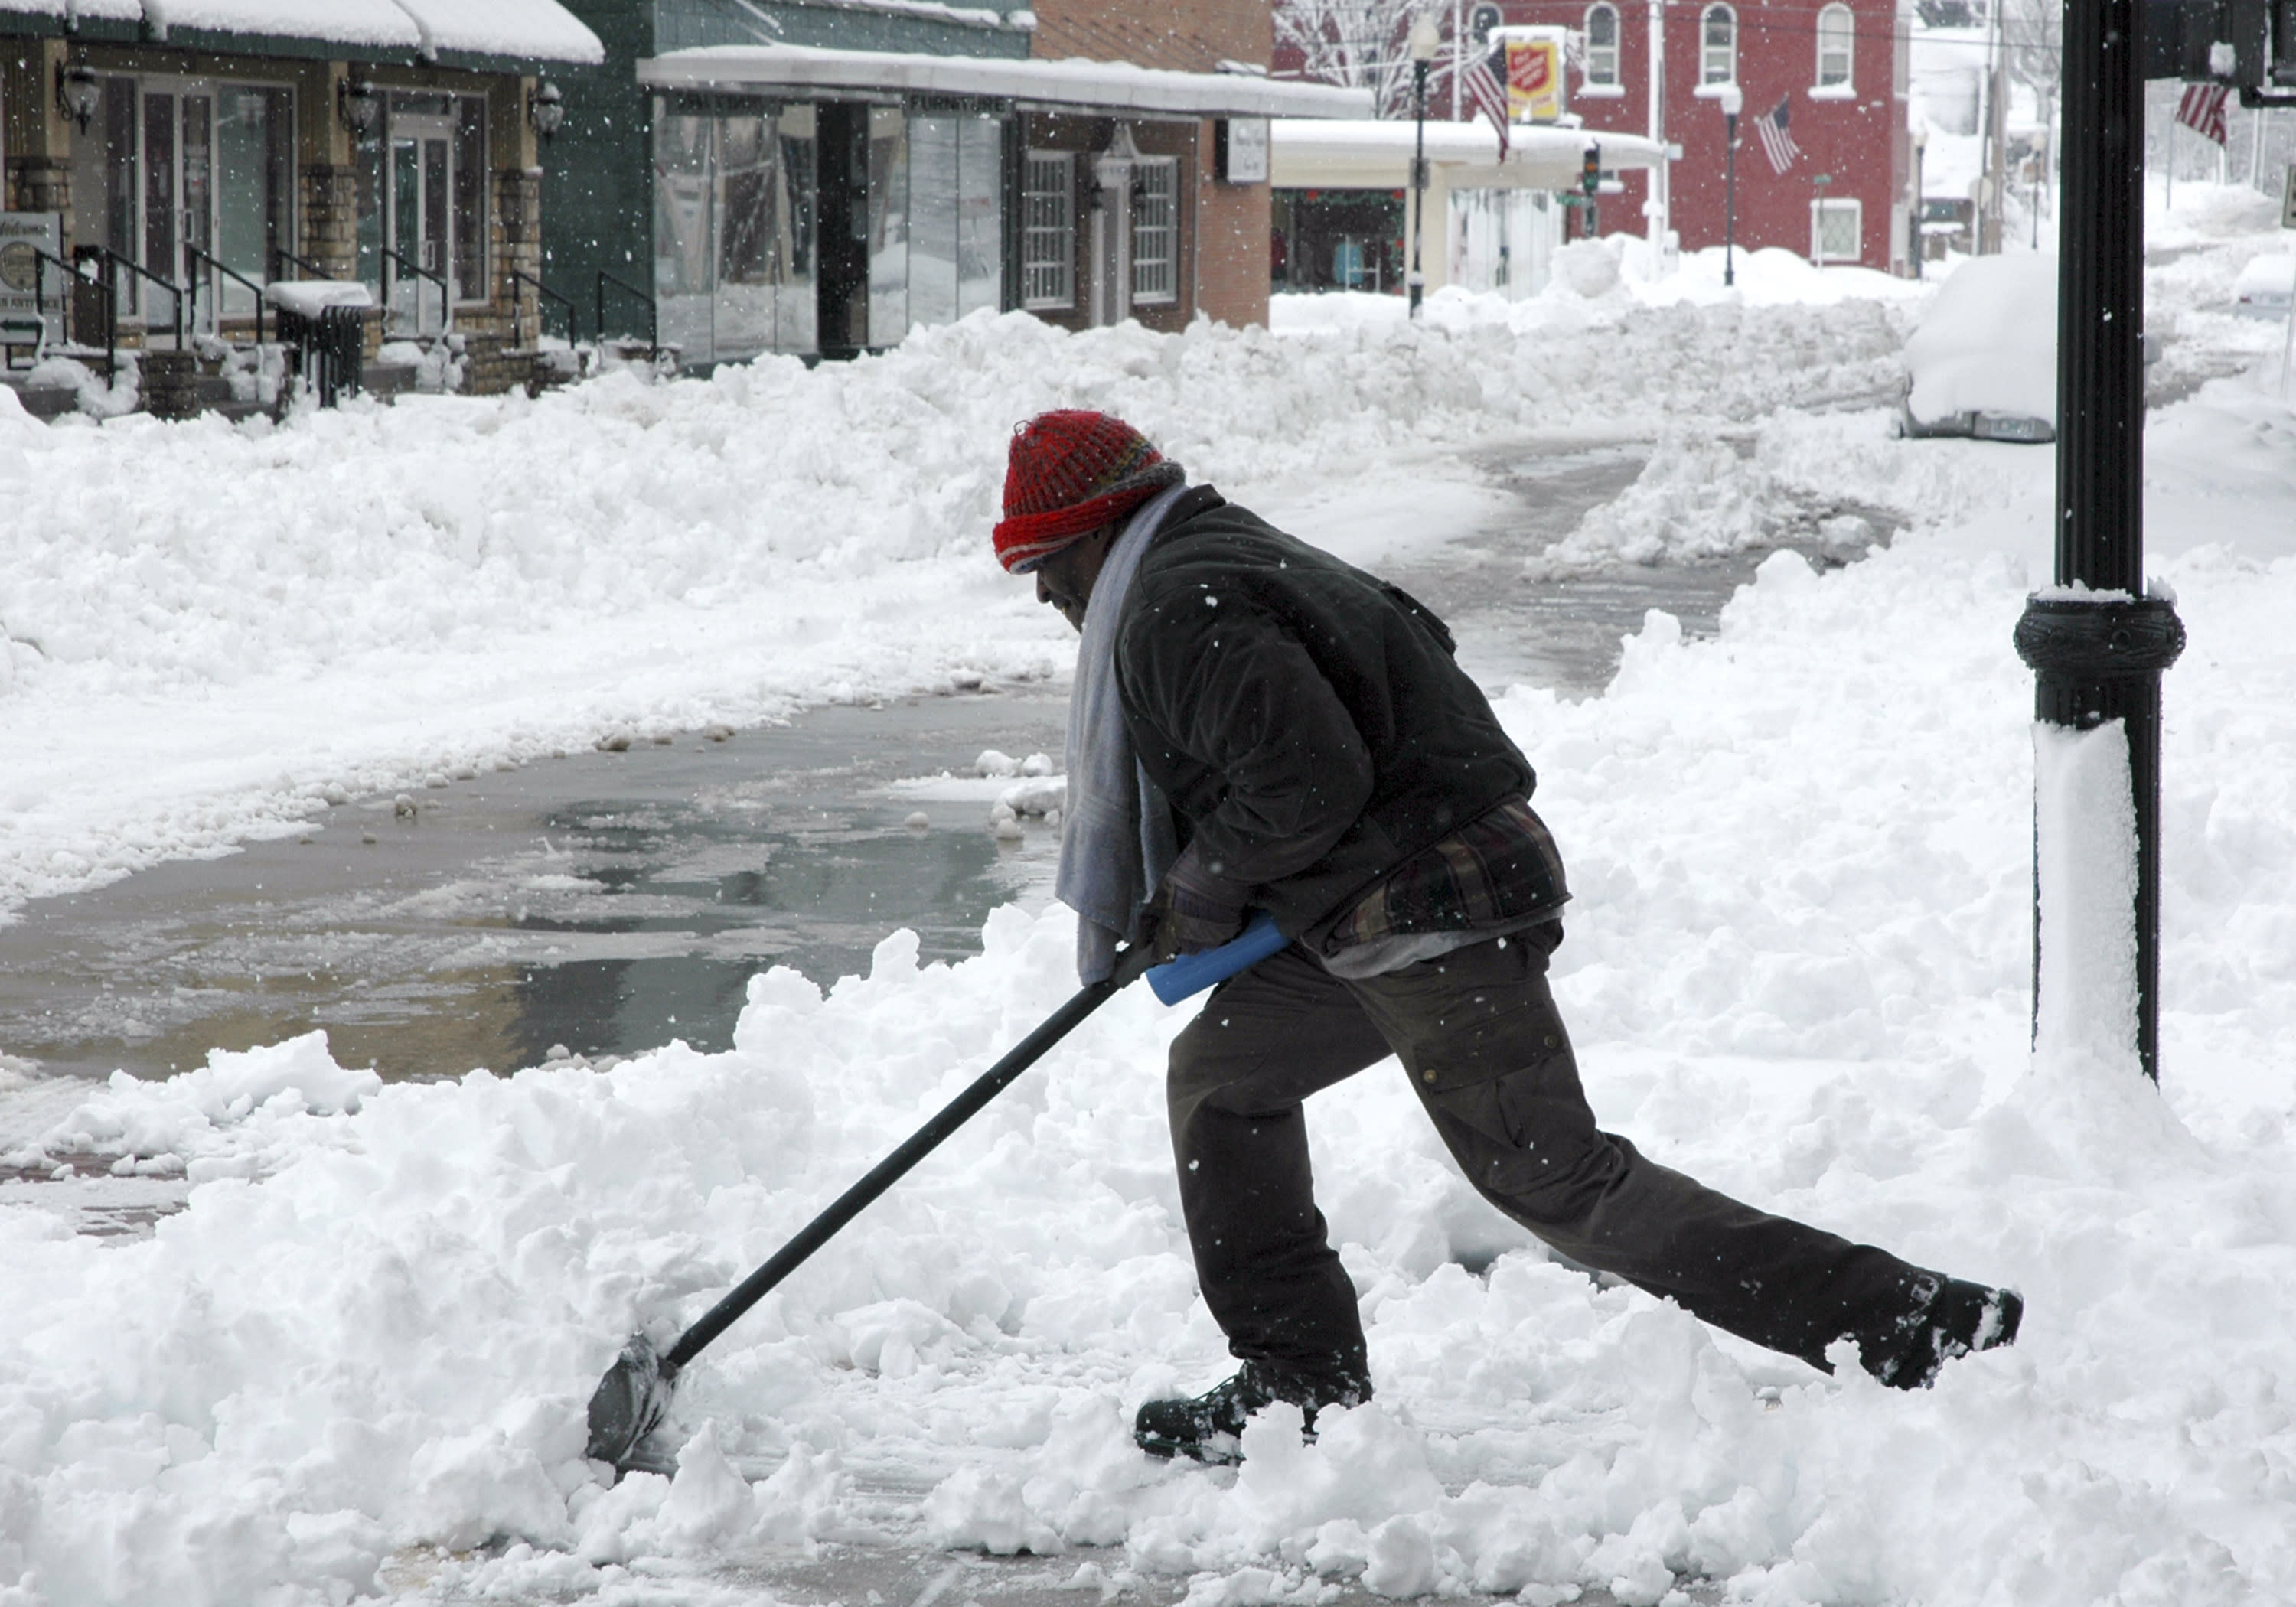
1950	1318
1210	1427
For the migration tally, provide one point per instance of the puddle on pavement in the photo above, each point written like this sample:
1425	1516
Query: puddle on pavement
605	903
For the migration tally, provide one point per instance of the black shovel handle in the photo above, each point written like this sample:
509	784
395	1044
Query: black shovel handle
790	1257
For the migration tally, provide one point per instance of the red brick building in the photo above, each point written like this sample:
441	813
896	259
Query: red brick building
1224	227
1838	67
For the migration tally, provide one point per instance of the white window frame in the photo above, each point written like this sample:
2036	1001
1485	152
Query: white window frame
1837	38
1156	241
1717	63
1048	231
1836	207
1602	65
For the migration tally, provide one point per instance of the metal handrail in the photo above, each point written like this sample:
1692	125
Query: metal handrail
280	253
199	254
518	277
653	313
41	257
113	261
392	255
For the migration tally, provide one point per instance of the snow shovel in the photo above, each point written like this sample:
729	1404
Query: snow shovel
634	1396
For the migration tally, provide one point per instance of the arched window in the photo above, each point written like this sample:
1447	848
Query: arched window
1603	44
1837	34
1718	37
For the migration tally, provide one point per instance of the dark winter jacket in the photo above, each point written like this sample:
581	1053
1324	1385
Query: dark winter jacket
1307	720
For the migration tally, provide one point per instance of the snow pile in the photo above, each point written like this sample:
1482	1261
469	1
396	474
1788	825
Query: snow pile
1795	968
240	1115
1696	497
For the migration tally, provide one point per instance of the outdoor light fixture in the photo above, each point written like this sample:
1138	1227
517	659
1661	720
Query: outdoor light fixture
359	105
1732	101
77	90
546	108
1425	41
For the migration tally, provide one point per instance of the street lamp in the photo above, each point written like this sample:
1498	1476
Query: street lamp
1732	101
1424	43
1921	208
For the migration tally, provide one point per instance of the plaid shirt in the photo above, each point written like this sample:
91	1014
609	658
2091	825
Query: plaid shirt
1499	871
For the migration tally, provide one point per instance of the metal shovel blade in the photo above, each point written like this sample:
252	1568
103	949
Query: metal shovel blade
631	1401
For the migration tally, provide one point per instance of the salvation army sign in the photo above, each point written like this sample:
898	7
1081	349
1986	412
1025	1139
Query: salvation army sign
1534	80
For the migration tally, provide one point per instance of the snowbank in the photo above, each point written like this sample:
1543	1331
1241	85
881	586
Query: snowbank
1796	967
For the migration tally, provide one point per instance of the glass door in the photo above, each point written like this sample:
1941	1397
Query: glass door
420	172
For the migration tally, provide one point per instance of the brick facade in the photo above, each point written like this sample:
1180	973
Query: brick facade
1224	228
1854	134
1188	36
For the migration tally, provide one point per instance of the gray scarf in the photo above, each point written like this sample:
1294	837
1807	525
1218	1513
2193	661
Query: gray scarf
1116	832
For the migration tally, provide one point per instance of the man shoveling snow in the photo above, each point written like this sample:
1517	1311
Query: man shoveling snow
1256	724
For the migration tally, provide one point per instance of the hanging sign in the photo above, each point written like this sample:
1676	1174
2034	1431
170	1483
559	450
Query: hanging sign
1534	80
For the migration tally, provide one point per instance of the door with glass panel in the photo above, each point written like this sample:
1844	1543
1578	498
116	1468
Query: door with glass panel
186	173
419	263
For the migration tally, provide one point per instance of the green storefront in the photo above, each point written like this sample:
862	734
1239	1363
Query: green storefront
640	183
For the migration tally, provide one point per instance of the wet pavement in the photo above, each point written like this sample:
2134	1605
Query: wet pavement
602	904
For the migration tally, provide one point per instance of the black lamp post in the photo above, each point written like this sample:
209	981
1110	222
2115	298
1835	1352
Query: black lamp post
1424	43
2097	644
1732	101
1921	208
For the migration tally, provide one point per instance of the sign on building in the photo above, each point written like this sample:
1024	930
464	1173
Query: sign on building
1535	75
1243	150
25	320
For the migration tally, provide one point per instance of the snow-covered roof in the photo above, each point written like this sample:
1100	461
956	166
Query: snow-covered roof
376	24
516	30
1104	84
1376	155
540	30
59	11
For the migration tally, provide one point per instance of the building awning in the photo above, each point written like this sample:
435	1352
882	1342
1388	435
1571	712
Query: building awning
1075	85
500	34
1367	155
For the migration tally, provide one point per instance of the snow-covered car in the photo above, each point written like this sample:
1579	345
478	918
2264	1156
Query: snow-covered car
2263	288
1984	357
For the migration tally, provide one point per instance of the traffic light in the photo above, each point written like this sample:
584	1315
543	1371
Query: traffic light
1590	170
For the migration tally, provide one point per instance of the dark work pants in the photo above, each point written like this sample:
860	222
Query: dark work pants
1478	1033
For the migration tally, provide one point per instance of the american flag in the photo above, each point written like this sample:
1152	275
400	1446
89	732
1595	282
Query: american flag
1487	89
1777	143
2202	110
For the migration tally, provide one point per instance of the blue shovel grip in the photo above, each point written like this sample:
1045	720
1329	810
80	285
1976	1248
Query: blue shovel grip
1191	974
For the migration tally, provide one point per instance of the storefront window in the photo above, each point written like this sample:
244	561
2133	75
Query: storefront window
174	168
889	225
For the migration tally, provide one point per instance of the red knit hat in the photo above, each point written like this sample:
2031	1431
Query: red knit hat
1071	471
